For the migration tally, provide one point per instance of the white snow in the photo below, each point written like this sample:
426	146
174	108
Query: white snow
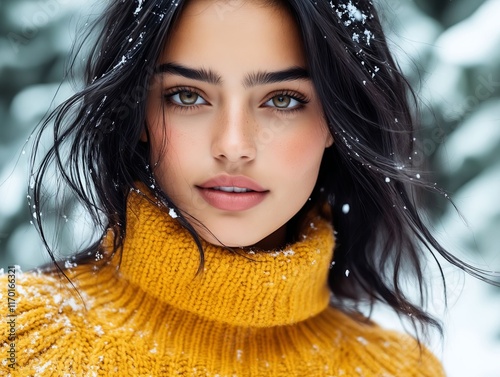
139	7
476	137
475	40
172	213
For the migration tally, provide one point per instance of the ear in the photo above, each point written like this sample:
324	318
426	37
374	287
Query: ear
145	133
329	140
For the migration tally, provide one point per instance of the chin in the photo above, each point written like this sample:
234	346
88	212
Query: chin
272	241
233	240
230	242
229	235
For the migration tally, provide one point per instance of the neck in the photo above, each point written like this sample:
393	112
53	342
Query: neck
275	240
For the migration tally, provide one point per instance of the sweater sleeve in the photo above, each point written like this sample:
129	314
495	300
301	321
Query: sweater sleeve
39	314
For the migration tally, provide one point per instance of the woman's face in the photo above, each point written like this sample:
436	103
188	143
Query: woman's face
236	128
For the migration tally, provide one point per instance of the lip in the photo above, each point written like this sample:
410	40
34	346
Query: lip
233	181
230	201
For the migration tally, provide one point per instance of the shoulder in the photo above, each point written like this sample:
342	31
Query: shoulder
29	295
41	313
376	348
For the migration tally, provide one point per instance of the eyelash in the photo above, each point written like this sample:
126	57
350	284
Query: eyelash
301	99
172	92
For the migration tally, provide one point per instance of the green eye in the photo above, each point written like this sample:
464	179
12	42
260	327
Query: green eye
185	98
284	101
188	98
281	101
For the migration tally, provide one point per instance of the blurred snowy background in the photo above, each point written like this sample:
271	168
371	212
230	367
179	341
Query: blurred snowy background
450	50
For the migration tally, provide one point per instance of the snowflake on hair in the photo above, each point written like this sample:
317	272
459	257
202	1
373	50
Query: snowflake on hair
139	7
354	18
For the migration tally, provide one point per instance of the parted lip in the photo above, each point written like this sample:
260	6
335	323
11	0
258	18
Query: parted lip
239	181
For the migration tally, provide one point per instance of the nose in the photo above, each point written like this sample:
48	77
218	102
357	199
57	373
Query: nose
234	137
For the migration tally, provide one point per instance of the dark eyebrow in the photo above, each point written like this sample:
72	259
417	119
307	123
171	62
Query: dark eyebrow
262	78
190	73
252	79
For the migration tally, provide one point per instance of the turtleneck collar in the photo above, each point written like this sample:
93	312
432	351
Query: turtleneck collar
240	287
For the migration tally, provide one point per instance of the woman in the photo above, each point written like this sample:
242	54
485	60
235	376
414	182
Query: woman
217	144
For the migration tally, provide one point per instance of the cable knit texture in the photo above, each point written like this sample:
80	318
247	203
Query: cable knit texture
148	313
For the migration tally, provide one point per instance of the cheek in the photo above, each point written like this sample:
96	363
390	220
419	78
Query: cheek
180	155
302	153
169	149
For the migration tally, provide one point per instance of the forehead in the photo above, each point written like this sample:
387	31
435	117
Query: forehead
224	32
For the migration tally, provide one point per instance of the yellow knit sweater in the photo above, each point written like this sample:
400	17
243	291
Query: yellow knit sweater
245	314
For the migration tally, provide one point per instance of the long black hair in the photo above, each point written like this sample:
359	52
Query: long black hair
367	177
